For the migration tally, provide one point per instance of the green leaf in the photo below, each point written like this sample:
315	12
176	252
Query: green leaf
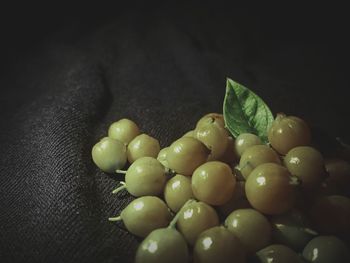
245	112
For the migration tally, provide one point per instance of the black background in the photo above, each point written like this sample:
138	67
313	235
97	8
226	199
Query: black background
68	71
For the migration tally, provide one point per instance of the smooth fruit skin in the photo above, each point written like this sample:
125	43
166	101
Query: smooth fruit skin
331	215
339	175
162	156
214	137
164	245
287	132
189	134
218	245
141	146
270	189
326	249
213	183
277	253
178	191
109	155
216	118
145	214
237	201
256	155
229	156
251	227
186	154
124	130
244	141
292	229
145	176
307	164
196	218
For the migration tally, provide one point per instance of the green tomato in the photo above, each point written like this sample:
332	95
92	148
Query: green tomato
141	146
244	141
195	218
256	155
331	215
186	154
307	164
245	224
163	245
145	214
326	249
277	253
213	182
216	118
145	176
218	245
287	132
214	137
162	156
271	189
178	191
109	155
292	230
237	201
124	130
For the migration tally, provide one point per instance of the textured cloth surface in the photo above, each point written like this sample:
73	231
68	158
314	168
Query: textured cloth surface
163	67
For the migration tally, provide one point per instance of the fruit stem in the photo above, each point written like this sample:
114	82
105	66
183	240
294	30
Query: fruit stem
169	172
118	189
120	171
176	217
294	180
115	219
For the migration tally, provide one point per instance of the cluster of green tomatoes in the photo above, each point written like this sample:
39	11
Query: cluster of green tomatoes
209	197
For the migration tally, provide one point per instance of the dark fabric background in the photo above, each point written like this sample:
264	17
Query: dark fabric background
68	72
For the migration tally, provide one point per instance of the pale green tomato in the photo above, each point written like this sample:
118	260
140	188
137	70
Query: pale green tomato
271	189
216	118
178	191
214	137
109	155
124	130
143	145
331	215
287	132
189	134
237	201
251	227
194	219
326	249
292	230
256	155
218	245
164	245
244	141
145	176
229	155
307	164
277	253
162	157
145	214
213	183
186	154
339	175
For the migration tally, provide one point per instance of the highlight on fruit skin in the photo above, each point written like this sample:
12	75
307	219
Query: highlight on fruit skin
271	189
186	154
252	182
288	132
109	155
143	215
